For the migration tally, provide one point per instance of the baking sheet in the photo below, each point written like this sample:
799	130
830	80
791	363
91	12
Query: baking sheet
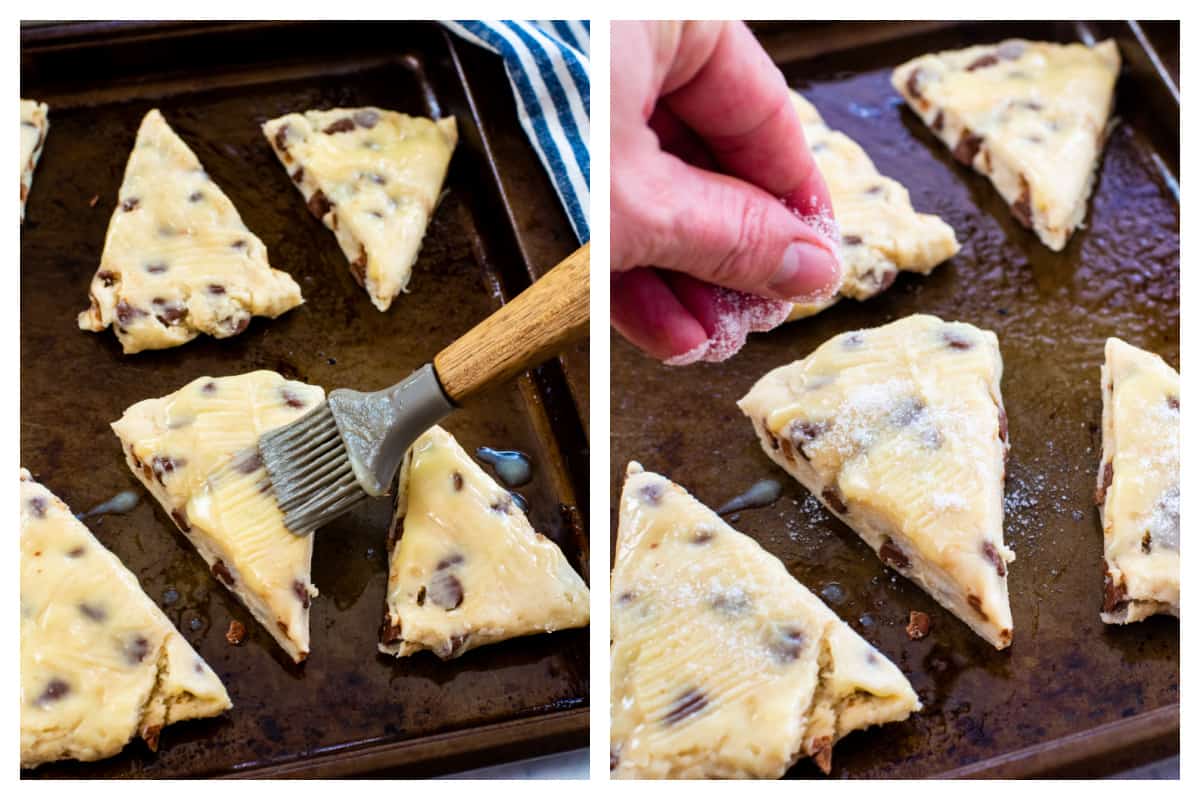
1072	696
348	709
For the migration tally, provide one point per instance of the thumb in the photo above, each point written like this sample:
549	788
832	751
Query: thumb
725	231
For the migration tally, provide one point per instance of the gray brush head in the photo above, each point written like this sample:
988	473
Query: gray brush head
349	447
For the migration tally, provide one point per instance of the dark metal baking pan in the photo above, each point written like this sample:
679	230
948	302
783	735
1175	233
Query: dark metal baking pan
348	709
1072	696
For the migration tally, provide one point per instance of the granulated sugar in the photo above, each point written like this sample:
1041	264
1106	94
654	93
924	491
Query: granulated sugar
738	314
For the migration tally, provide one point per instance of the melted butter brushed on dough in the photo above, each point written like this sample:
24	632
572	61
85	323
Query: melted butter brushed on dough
467	569
723	665
374	178
178	261
900	431
190	450
100	663
1139	507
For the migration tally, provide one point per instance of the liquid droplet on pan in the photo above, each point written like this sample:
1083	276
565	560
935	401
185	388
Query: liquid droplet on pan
762	493
512	466
121	503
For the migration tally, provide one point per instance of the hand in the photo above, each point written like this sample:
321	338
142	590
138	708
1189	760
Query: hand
689	99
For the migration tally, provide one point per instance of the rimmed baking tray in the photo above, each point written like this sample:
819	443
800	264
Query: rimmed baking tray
1072	696
348	709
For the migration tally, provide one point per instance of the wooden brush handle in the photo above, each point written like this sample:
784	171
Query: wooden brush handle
536	325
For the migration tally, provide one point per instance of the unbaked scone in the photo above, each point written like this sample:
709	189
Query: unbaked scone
901	432
723	665
196	451
881	233
35	124
100	662
374	178
1137	488
1032	116
467	568
178	261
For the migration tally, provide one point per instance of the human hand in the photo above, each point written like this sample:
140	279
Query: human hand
689	99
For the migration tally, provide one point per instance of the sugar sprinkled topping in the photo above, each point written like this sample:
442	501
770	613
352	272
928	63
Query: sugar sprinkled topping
738	314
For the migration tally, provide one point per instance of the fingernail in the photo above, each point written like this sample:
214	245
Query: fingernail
806	271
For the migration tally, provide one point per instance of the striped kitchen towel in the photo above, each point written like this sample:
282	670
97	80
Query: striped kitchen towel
547	65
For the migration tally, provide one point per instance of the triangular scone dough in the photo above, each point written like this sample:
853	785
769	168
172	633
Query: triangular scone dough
194	451
178	261
374	178
881	233
1032	116
901	432
34	126
1138	484
467	568
723	665
100	662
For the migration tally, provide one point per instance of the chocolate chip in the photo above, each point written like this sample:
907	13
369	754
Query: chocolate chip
445	591
1003	424
222	572
1173	402
1021	207
169	313
883	281
967	147
732	602
983	61
127	313
298	175
358	267
974	602
341	126
209	388
689	702
852	340
281	136
301	592
130	204
216	288
803	433
195	197
76	552
993	555
319	205
236	633
452	560
703	537
136	649
291	399
614	758
956	340
651	493
239	244
457	479
625	598
833	498
939	122
892	555
918	625
108	277
1115	596
503	505
156	268
94	613
907	411
1106	478
38	506
787	643
457	644
421	596
1146	543
875	190
56	689
366	117
850	240
390	633
376	178
913	84
165	465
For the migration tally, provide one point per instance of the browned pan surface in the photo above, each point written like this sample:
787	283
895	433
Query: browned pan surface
1071	692
348	708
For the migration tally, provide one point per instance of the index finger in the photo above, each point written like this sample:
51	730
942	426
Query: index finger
737	101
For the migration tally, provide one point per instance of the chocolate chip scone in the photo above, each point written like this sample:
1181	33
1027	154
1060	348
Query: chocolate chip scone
100	662
723	665
901	433
881	233
178	261
467	568
1032	116
35	124
1137	488
196	451
374	178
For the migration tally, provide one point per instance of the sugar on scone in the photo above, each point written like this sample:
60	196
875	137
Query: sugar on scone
466	567
723	664
374	177
178	261
1137	488
195	450
1032	116
100	662
901	432
35	124
881	233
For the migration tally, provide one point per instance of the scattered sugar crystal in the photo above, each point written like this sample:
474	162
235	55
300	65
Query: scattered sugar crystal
738	314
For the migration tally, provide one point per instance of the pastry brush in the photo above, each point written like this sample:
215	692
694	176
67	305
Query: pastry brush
351	445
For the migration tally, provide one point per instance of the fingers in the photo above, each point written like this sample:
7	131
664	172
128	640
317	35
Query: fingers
724	87
649	315
723	231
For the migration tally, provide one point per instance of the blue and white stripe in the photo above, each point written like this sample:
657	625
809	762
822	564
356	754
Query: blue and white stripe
548	67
